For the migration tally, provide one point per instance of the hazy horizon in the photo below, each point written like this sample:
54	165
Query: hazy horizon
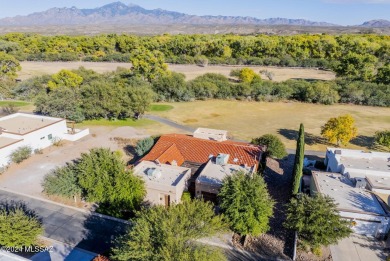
342	12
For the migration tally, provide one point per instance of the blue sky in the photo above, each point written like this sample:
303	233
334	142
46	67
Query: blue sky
344	12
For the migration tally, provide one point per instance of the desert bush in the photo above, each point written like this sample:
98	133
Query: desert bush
21	154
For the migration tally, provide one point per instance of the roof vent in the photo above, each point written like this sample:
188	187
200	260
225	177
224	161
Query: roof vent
153	173
222	159
360	183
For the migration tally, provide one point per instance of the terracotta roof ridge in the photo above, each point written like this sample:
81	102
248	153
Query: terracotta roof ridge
228	142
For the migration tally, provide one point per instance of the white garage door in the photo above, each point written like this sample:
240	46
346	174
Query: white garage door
363	227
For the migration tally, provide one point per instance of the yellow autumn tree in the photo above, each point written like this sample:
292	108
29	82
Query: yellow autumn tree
65	78
339	130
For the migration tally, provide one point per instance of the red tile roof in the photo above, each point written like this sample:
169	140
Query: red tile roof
182	148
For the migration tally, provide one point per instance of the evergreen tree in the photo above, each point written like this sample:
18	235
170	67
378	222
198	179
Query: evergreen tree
316	220
17	227
246	203
298	164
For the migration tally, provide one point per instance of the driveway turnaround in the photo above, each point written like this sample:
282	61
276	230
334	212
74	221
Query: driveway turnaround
358	248
83	230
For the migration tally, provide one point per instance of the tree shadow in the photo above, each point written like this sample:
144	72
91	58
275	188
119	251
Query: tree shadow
364	141
310	139
11	206
278	176
101	232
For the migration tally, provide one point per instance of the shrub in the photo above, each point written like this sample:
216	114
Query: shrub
21	154
62	182
275	147
144	146
383	138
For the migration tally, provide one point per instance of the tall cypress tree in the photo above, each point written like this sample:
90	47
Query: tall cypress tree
298	164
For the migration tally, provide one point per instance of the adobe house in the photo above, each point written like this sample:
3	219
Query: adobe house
366	212
199	151
35	131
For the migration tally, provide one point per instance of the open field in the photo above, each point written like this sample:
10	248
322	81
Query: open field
31	69
158	29
245	120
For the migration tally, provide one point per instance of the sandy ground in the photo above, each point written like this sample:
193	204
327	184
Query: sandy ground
27	177
246	120
31	69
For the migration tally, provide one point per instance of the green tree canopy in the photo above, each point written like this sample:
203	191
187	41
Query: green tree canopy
103	178
8	66
275	147
383	75
340	130
316	220
160	233
18	227
245	201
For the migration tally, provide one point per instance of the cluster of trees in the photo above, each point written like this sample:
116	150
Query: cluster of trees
84	94
98	176
173	87
349	55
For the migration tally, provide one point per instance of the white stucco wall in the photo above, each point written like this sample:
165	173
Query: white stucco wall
40	138
155	191
6	152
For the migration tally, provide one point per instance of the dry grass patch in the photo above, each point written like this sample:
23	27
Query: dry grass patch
245	120
31	69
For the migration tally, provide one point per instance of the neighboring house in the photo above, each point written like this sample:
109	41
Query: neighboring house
370	169
164	183
200	154
367	213
209	182
37	132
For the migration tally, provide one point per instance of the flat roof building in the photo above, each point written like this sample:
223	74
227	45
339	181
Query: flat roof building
34	131
209	181
368	215
164	183
210	134
357	163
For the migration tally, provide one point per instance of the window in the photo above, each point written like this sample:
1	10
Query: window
50	136
42	138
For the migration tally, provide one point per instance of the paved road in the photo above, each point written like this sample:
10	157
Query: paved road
73	227
190	129
169	123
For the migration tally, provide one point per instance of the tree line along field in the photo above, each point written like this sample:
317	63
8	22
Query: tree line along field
247	120
348	55
31	69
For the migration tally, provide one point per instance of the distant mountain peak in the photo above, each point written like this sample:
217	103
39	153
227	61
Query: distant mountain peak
126	14
376	23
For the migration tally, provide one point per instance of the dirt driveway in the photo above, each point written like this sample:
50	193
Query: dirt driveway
26	177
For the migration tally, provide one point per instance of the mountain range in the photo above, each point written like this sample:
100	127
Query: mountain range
121	14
